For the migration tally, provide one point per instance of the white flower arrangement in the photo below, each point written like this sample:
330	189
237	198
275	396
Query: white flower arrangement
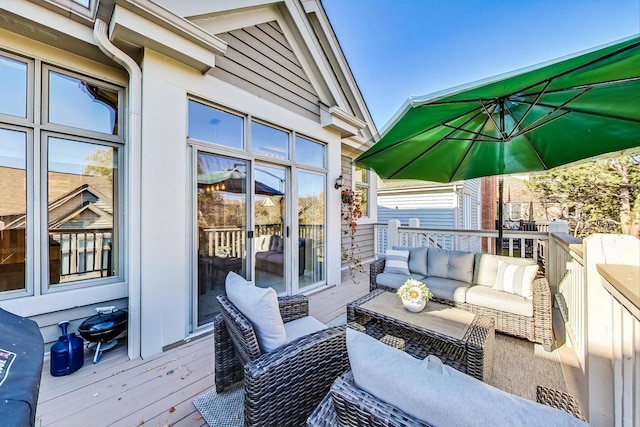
415	291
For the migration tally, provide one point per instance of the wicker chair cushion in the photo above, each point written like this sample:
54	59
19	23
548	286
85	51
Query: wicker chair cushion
417	258
515	279
397	261
260	306
490	298
437	394
450	264
453	290
303	326
486	269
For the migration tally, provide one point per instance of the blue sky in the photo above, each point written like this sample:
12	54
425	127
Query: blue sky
402	48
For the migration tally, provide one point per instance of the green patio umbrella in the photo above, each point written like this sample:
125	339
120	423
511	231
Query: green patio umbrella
531	120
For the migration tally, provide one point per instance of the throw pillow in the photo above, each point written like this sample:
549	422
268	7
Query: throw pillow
260	306
515	279
439	395
417	258
397	261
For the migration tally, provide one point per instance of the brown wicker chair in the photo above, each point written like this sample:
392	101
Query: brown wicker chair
284	386
536	329
347	405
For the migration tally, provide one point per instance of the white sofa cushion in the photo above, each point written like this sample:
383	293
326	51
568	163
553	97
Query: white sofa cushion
486	267
515	279
260	306
439	395
396	261
484	296
450	264
303	326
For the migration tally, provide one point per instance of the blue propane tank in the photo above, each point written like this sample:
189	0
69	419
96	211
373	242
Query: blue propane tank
67	355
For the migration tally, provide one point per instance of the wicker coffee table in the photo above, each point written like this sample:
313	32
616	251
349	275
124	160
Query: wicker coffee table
462	340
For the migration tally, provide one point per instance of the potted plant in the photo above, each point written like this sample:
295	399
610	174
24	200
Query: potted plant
414	295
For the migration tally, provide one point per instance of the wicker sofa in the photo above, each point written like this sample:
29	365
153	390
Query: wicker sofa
468	281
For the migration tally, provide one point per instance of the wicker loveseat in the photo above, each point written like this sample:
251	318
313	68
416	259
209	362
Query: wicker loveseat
387	387
468	281
296	375
347	405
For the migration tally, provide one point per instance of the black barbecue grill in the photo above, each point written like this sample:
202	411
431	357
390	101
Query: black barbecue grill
102	329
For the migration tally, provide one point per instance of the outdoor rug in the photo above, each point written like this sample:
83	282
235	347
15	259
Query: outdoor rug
224	409
519	367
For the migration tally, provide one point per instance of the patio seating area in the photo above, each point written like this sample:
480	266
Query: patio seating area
160	390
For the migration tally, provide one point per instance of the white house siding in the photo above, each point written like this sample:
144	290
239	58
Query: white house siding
471	187
436	210
261	60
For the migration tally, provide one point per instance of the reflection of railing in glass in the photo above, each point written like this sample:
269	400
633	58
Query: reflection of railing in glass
80	254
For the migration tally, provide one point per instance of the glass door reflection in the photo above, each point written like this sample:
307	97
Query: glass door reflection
222	223
271	231
311	234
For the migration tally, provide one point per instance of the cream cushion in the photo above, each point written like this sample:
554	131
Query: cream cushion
260	306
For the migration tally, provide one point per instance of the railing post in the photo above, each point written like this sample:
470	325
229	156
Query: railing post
413	242
602	249
393	234
553	271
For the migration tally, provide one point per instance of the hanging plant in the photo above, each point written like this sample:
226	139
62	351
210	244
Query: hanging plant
350	213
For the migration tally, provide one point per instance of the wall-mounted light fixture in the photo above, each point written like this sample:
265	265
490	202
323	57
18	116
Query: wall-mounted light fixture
339	182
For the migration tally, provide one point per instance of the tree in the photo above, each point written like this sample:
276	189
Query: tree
601	196
100	163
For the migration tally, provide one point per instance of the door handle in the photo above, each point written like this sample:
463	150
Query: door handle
250	234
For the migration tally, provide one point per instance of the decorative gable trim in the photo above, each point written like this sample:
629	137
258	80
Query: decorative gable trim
337	119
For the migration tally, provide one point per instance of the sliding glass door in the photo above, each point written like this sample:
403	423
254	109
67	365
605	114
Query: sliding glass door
222	191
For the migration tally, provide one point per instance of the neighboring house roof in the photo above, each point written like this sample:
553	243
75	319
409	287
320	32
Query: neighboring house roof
70	206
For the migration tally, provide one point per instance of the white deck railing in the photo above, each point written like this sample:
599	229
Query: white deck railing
601	315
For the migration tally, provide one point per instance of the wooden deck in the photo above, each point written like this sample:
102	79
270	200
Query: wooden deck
157	391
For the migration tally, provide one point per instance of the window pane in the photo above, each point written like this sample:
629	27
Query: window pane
269	141
210	124
362	175
311	220
81	193
85	3
74	102
363	196
13	209
13	87
309	152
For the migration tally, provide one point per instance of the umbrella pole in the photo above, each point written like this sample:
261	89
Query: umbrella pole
500	213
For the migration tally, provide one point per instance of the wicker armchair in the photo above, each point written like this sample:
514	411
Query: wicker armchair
297	375
536	329
346	405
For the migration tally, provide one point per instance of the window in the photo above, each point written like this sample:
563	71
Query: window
361	178
214	125
78	148
269	141
309	152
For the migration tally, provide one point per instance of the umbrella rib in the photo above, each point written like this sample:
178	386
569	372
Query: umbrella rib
466	153
533	125
533	147
444	138
455	128
369	153
585	86
582	111
526	113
